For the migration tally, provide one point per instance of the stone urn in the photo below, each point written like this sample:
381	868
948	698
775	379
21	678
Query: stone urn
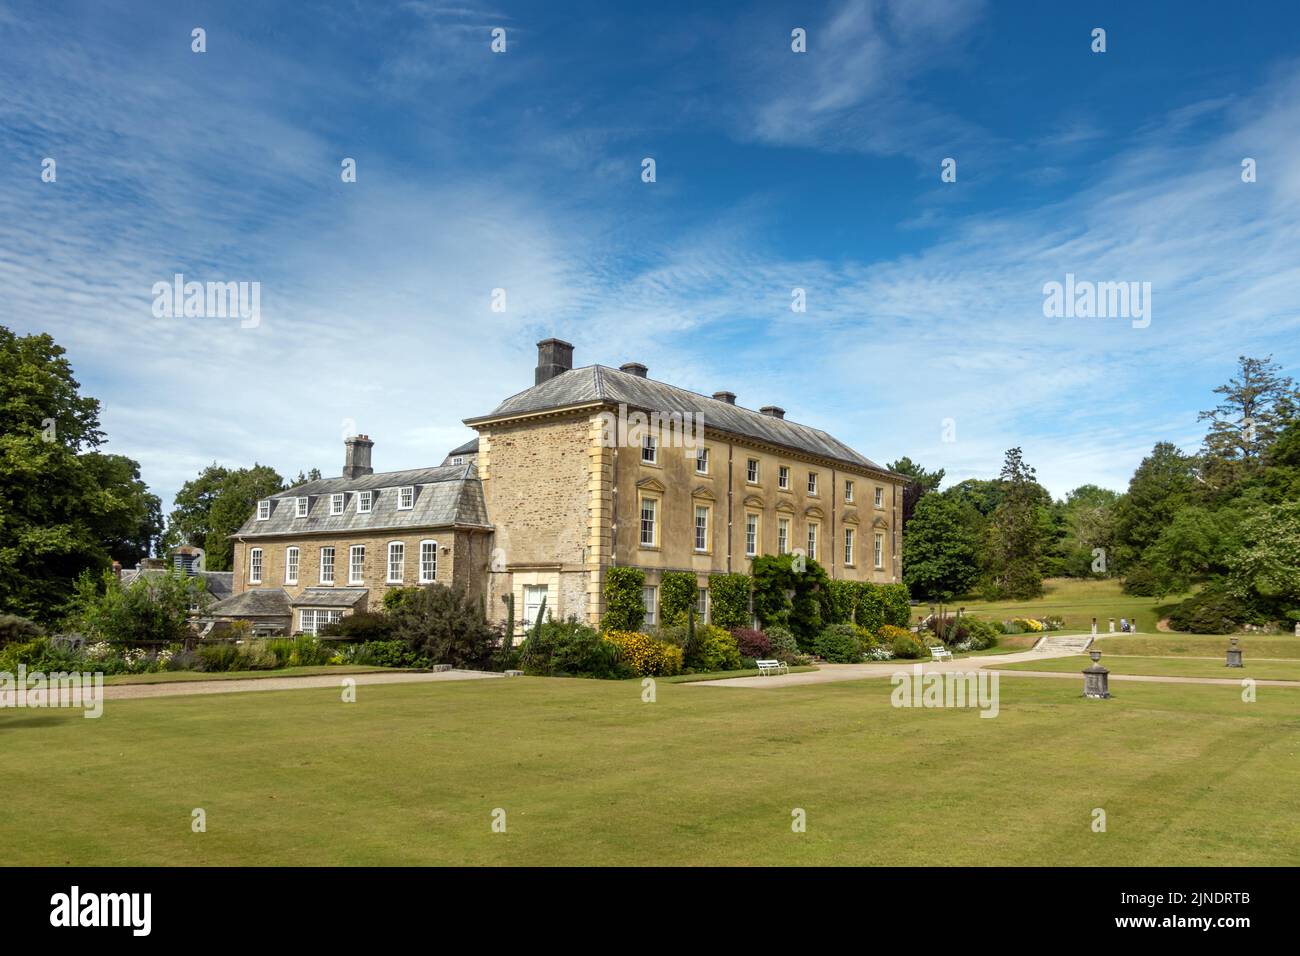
1096	679
1234	654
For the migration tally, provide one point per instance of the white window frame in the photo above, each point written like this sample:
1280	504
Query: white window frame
649	443
812	482
533	594
301	506
650	592
324	564
264	509
751	471
428	546
292	558
338	503
880	550
406	498
848	489
783	477
814	536
702	534
702	459
702	603
653	502
320	616
365	502
356	570
401	562
782	535
255	566
755	520
458	460
849	536
880	497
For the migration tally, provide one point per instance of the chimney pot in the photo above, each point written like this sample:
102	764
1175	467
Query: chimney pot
356	457
634	368
775	411
728	397
554	357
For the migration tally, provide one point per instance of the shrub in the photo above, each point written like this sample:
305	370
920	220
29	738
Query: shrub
729	597
18	630
624	607
391	653
784	646
396	598
713	650
645	656
843	600
777	575
40	655
906	646
678	593
839	644
364	626
445	625
752	644
1213	610
895	604
569	648
866	639
155	608
980	633
300	651
223	656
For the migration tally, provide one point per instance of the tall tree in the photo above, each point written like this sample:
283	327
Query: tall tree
940	550
1088	514
64	507
922	483
214	505
1163	483
1017	532
1258	403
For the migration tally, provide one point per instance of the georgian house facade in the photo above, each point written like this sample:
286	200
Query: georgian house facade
555	490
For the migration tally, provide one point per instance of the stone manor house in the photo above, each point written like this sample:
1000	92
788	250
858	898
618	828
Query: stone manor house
551	493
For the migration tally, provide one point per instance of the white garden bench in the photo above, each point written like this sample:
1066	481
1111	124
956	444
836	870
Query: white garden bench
939	653
772	667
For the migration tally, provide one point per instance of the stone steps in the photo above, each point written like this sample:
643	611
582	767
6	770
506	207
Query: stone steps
1073	643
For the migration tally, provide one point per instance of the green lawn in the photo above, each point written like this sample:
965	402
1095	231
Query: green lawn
1078	602
171	677
1200	645
588	774
1168	667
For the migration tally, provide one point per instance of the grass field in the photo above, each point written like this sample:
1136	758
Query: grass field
588	774
1200	645
1168	667
172	677
1078	602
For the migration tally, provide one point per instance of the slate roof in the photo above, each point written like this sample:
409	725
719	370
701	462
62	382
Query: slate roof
258	602
329	597
444	496
220	584
469	448
598	383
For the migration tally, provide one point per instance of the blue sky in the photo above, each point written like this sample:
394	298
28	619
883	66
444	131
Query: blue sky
775	170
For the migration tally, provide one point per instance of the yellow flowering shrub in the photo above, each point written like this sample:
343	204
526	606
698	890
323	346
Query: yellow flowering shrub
645	655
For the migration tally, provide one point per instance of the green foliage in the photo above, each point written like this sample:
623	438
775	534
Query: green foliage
445	625
624	605
570	649
712	650
903	643
65	507
1214	610
843	600
785	596
153	608
940	550
1258	404
923	482
213	506
678	594
1017	532
1265	569
729	597
18	630
784	645
839	644
508	639
396	598
392	653
302	650
362	626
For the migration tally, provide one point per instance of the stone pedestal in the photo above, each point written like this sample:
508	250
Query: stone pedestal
1096	679
1234	654
1112	625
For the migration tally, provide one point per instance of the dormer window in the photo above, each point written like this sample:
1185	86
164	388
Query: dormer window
458	460
364	500
264	509
406	498
302	507
336	504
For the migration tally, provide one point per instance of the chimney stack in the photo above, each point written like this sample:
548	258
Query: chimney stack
728	397
774	410
634	368
554	357
356	459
